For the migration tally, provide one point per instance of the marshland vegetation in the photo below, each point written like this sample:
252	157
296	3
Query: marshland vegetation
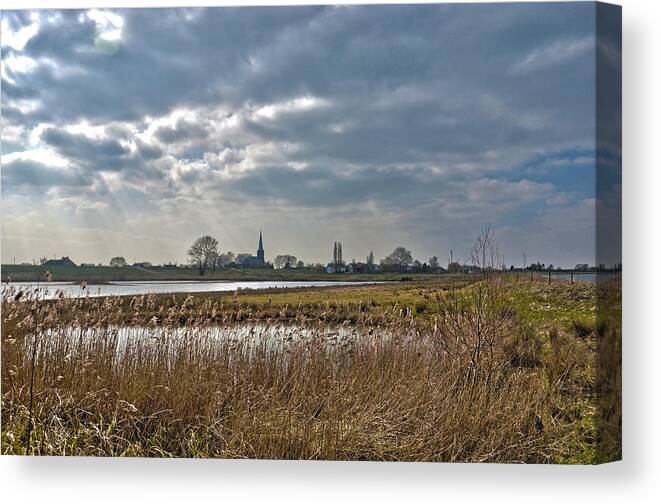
493	370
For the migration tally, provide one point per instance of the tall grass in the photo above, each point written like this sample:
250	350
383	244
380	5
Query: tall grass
476	384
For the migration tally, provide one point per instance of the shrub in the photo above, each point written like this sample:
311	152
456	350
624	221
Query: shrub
523	347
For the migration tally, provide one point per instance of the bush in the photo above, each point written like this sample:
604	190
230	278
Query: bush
523	348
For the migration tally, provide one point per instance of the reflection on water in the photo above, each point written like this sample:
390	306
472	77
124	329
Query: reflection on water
589	277
249	338
51	290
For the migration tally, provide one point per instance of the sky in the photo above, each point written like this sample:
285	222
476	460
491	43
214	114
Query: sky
133	132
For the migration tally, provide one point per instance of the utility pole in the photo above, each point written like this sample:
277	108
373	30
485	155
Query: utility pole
524	259
451	261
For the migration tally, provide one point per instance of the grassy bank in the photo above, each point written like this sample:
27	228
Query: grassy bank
427	372
100	274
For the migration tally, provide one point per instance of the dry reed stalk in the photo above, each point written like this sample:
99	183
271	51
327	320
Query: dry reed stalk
156	377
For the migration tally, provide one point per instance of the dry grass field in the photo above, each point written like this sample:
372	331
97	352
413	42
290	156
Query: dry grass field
490	371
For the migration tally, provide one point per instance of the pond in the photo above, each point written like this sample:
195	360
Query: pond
70	289
237	339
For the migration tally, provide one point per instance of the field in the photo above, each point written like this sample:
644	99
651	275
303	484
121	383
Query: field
100	274
492	370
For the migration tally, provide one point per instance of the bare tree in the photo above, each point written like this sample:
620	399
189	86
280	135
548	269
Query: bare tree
226	259
400	258
282	260
118	262
433	263
484	253
214	260
471	322
454	267
337	254
203	251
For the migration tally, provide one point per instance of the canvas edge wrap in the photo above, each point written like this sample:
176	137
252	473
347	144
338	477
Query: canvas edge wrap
608	239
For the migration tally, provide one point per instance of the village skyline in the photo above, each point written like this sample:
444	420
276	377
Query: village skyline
225	258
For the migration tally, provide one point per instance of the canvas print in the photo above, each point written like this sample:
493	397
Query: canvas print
337	232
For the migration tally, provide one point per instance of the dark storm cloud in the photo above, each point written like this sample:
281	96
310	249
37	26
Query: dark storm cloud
184	57
14	91
19	173
95	155
149	152
182	130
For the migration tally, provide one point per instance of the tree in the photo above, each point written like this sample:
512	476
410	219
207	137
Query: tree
226	259
433	263
484	253
454	267
203	251
214	260
400	258
118	262
370	262
337	254
300	265
281	261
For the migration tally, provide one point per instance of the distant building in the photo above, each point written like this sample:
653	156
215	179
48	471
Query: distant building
143	264
335	268
360	267
65	261
256	261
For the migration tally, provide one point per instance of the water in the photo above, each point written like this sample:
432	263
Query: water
589	277
244	334
69	289
238	339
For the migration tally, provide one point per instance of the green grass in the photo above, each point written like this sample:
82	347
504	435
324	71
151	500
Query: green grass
556	303
100	274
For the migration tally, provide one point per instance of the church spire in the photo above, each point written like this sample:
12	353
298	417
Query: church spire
260	248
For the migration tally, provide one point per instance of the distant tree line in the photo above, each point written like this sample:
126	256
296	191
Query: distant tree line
483	256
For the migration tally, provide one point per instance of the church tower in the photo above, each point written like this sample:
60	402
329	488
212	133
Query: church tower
260	248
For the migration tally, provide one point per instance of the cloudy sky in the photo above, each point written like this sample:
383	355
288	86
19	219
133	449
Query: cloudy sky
132	132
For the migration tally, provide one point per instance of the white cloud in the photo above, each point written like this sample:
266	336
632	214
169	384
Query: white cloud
43	155
17	39
299	104
555	53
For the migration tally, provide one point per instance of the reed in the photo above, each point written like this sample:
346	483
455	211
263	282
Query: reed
171	377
